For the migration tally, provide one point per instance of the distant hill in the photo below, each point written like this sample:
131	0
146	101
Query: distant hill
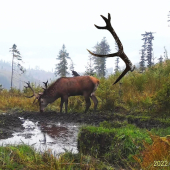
36	76
33	75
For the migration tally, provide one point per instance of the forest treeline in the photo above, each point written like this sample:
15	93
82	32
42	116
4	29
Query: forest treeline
32	74
15	75
146	92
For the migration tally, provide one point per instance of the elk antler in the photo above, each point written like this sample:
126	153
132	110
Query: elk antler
34	94
120	53
45	83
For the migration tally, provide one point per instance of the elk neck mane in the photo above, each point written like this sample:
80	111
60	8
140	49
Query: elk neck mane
54	83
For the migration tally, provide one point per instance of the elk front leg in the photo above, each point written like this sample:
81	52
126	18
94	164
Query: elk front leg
93	97
61	104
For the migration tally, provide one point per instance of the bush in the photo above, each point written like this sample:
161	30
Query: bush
116	146
155	156
162	99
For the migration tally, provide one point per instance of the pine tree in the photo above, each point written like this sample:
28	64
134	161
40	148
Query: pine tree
116	65
149	49
117	59
100	63
61	67
160	59
16	56
148	37
1	88
89	68
165	54
153	59
143	56
71	65
142	62
96	59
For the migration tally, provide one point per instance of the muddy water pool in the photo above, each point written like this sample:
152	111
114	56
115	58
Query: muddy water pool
55	136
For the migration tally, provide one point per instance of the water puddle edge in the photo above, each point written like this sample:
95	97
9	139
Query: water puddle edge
54	136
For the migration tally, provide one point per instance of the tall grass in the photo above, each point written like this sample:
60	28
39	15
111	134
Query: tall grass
137	93
25	157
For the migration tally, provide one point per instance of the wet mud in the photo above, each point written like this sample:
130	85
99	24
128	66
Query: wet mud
10	123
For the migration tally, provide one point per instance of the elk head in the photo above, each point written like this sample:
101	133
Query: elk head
120	53
41	97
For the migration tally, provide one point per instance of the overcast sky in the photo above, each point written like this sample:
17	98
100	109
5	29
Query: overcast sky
39	28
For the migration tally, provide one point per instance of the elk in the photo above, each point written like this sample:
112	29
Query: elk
65	87
120	53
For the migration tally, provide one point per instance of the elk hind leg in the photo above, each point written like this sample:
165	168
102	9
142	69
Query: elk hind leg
66	103
93	97
88	103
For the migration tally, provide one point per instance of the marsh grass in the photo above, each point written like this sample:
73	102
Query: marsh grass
117	145
99	148
25	157
146	93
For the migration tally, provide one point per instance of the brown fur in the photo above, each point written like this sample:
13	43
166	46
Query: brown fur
71	86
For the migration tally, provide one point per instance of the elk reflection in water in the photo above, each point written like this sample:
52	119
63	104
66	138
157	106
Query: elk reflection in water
46	136
53	130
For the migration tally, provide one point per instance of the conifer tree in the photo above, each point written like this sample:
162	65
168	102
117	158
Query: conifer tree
142	62
116	65
90	68
160	59
62	66
149	49
71	65
143	53
153	59
117	59
165	54
100	63
16	56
